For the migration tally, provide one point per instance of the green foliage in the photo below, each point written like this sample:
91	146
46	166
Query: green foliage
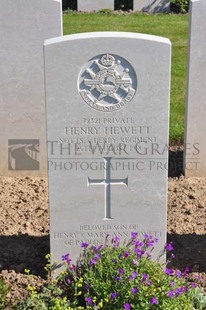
51	297
199	298
123	277
179	6
114	276
4	289
106	11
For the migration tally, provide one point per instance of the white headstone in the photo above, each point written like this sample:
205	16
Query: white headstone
151	6
195	120
24	25
94	5
107	116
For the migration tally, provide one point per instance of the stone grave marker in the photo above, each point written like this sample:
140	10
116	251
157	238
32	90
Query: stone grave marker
94	5
24	25
150	6
195	118
107	125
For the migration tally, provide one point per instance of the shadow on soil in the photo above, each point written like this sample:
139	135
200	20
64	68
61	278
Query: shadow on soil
20	252
189	250
175	163
24	251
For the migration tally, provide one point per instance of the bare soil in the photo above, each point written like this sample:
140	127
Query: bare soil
24	229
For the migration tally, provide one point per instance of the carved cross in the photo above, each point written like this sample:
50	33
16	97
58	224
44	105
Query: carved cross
107	182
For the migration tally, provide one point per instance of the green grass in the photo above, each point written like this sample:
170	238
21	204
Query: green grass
174	27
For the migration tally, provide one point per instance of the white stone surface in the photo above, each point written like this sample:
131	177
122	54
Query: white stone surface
94	5
107	105
151	6
24	25
195	124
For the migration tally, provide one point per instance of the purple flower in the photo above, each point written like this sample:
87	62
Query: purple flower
146	236
139	252
97	256
168	271
89	300
192	284
113	295
138	243
178	273
198	278
66	259
133	275
172	283
148	283
99	247
134	290
121	271
115	239
127	306
116	278
187	269
72	267
133	235
169	247
153	301
68	281
180	290
94	248
84	245
92	262
150	243
171	294
126	254
144	277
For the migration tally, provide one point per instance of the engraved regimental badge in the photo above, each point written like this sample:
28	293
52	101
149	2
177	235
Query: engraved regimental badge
107	83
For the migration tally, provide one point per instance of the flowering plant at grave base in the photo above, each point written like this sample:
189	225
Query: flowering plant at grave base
111	276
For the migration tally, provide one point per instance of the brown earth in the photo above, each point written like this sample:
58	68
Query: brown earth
24	228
